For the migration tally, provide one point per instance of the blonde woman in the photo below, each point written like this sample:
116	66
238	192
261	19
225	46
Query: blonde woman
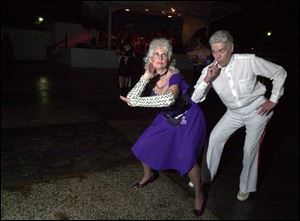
176	136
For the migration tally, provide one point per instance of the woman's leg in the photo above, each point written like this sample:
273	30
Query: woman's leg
125	82
148	177
195	177
148	172
121	81
122	86
129	82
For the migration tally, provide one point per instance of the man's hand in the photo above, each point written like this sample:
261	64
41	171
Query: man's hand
213	72
266	107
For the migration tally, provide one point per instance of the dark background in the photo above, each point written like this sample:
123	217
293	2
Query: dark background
249	25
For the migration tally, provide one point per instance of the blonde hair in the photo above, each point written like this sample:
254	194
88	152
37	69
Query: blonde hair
160	43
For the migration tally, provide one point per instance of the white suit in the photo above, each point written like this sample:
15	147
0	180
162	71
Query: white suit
242	93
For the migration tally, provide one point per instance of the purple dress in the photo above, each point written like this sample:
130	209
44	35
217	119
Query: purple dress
163	146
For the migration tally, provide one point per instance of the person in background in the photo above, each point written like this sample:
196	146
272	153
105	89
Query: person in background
200	57
126	66
234	78
176	136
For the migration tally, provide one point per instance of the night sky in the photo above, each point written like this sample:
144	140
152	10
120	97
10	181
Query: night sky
23	13
250	25
262	14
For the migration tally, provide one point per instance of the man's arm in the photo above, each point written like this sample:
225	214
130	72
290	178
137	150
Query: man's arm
278	76
205	82
274	72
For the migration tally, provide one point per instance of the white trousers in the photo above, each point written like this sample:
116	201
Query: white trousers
255	126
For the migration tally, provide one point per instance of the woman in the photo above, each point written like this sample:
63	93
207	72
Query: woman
126	66
176	136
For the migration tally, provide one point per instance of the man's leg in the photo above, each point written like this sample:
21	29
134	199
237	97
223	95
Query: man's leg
226	126
255	128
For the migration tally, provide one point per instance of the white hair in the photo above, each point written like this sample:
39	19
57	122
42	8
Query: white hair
160	43
221	36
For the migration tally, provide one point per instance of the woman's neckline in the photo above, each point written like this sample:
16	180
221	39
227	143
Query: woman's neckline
164	73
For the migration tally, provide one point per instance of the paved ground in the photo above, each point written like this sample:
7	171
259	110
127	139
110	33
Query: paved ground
65	153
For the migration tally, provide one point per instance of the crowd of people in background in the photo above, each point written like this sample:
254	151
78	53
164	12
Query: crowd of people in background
139	42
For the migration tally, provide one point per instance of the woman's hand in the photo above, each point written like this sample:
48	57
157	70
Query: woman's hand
150	72
125	99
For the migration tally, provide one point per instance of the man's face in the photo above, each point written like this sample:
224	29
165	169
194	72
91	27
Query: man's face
222	52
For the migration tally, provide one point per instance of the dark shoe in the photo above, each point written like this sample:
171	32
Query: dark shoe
199	212
150	180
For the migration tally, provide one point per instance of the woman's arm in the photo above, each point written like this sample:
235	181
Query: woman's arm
138	88
163	100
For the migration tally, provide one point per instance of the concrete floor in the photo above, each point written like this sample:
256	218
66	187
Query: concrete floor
65	153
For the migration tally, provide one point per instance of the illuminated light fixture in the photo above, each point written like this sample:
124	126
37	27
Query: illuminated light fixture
39	20
127	9
269	33
146	9
171	13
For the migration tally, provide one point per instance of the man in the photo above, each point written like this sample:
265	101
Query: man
234	78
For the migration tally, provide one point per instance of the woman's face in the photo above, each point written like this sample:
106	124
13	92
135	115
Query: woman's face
159	58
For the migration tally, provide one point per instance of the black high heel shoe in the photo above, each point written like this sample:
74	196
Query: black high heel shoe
199	212
150	180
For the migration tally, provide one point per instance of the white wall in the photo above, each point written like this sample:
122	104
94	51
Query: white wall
96	58
32	45
60	29
28	44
